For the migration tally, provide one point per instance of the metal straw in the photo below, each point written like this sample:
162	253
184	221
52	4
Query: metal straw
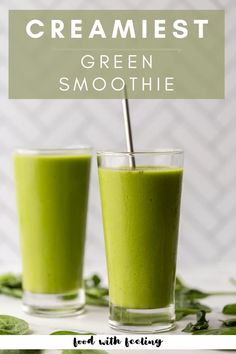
128	130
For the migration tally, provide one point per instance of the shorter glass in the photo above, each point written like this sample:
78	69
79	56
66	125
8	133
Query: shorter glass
141	207
52	193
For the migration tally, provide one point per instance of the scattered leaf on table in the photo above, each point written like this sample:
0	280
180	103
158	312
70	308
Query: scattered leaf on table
13	325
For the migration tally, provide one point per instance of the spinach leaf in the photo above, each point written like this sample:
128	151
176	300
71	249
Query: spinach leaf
13	325
20	351
84	351
11	280
216	331
188	293
184	312
179	285
229	323
192	293
185	306
11	285
96	295
70	333
96	301
201	323
97	292
93	281
186	300
229	309
191	307
11	292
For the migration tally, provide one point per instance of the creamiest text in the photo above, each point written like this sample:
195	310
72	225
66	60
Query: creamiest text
143	29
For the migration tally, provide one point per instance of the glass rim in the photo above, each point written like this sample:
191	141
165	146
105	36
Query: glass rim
53	150
168	151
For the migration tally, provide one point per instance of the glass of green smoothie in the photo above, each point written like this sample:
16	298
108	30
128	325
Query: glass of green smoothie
52	194
141	207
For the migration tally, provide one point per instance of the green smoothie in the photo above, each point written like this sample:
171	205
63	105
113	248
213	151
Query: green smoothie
141	218
52	195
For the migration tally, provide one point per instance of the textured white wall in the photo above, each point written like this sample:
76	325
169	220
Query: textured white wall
205	129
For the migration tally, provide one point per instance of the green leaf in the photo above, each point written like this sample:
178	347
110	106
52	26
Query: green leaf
70	333
186	300
180	315
201	323
217	331
188	293
11	292
11	285
179	283
229	309
84	351
97	292
96	295
96	301
20	351
195	294
229	323
192	294
186	307
11	280
93	281
191	307
13	325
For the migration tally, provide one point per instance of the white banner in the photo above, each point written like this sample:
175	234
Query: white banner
113	342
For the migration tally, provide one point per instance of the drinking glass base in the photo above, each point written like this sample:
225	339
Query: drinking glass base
142	320
54	305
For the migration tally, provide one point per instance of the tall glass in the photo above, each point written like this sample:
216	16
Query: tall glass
52	194
141	207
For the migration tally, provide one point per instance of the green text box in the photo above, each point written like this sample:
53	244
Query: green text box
151	66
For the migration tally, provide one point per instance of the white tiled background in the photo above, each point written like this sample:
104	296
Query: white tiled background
205	129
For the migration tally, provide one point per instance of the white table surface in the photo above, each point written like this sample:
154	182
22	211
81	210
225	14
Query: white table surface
214	278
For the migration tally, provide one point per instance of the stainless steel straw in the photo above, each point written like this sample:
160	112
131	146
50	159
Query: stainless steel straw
128	130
